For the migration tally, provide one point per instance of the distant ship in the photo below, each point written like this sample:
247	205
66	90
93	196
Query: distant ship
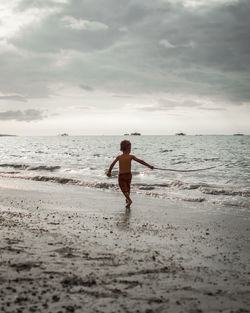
180	134
135	134
6	135
239	134
63	135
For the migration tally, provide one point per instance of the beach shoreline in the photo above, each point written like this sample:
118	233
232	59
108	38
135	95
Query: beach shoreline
74	249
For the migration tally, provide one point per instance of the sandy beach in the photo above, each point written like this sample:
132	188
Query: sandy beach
73	249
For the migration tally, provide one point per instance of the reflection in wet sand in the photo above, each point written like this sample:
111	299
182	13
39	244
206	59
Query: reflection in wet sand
124	219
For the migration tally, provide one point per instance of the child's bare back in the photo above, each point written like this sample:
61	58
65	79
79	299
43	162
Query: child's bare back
125	163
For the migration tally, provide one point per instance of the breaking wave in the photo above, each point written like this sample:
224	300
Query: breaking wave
241	204
20	166
44	168
154	190
214	191
61	180
81	161
31	168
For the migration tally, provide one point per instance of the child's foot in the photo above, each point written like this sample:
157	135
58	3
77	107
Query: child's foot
129	202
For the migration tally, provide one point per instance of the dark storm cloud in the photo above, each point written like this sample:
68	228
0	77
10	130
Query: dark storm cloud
26	115
135	47
55	33
27	75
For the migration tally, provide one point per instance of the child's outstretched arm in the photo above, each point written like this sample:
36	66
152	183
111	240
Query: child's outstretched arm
111	167
142	162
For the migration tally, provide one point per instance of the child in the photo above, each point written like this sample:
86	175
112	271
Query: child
125	174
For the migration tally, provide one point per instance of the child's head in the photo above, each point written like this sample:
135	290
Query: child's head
125	145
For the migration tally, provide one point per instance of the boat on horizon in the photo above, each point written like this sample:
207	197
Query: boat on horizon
132	134
63	135
135	134
180	134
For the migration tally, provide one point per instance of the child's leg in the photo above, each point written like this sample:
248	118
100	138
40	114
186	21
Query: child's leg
127	196
128	199
124	183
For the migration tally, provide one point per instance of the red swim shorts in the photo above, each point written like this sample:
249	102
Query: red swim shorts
124	181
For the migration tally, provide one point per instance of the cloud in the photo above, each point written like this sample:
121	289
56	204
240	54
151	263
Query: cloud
122	96
85	87
166	44
123	29
23	5
133	47
79	24
12	22
14	98
212	109
26	115
166	104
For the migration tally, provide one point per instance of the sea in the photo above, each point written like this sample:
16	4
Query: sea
84	160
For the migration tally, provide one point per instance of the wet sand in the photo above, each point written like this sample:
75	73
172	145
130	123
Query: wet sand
73	249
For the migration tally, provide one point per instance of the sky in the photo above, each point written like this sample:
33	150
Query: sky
109	67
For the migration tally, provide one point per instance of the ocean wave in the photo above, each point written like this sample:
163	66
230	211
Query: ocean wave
20	166
171	197
152	190
41	152
175	184
146	188
186	186
31	168
202	187
214	191
72	181
211	159
44	168
194	199
241	204
10	172
166	150
61	180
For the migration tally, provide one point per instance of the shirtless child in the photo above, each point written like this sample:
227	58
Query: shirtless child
125	175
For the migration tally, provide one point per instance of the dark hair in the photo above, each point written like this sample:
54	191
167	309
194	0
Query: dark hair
125	145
